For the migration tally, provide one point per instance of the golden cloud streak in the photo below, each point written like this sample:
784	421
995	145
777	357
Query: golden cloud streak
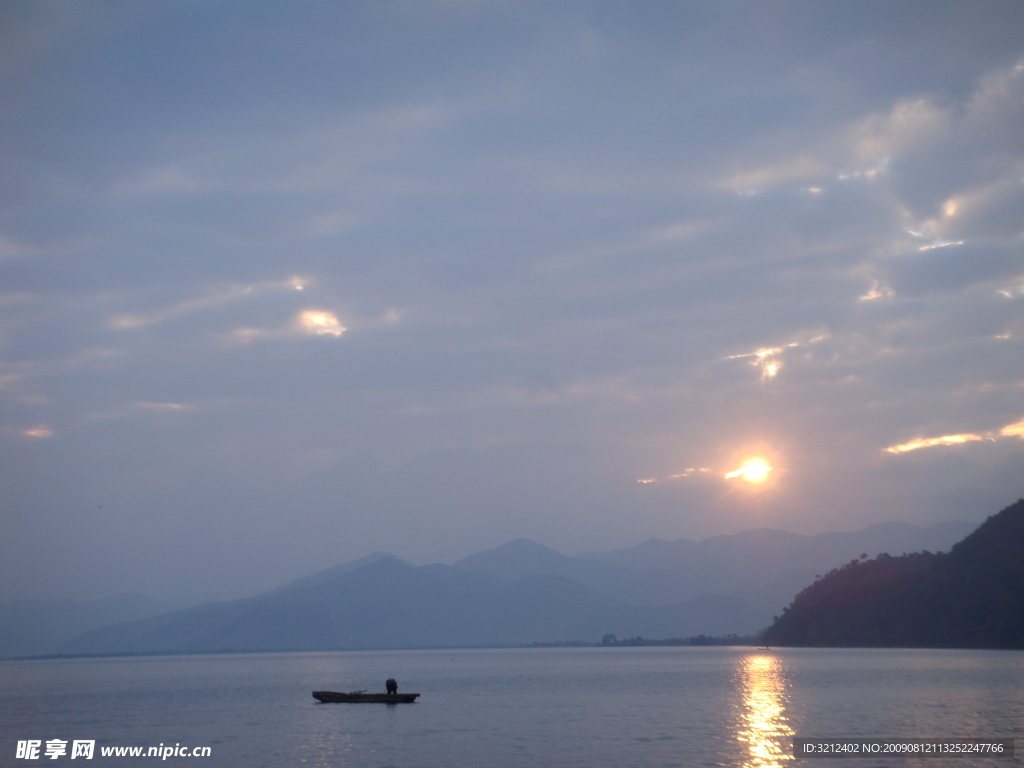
688	472
1013	430
914	445
1010	430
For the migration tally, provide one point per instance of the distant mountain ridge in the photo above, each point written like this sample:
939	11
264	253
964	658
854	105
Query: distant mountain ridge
37	627
387	604
517	593
329	574
762	567
888	536
971	597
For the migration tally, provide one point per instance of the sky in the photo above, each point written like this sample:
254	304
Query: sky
285	284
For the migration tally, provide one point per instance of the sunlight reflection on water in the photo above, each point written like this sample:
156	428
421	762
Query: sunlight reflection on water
762	724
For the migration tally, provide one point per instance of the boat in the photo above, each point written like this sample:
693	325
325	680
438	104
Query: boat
362	697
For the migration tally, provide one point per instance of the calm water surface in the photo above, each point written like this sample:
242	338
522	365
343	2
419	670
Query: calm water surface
591	707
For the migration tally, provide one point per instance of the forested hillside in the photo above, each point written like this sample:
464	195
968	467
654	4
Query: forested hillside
972	597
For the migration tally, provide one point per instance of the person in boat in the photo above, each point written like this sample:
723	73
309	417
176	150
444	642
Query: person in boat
391	686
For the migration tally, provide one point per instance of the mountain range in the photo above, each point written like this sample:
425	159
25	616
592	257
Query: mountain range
518	593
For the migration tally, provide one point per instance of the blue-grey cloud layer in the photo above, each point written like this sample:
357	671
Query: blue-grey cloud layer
556	236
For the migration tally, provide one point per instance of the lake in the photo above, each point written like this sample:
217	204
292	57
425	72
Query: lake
586	707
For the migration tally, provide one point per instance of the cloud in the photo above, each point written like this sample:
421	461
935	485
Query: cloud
861	151
767	359
321	323
10	248
308	322
878	291
910	126
215	298
143	407
930	442
795	170
332	153
526	240
161	406
1013	430
688	472
1010	430
681	230
953	267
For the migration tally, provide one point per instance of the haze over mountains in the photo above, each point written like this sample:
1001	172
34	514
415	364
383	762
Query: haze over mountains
35	627
519	593
761	567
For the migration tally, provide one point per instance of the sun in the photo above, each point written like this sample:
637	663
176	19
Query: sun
754	470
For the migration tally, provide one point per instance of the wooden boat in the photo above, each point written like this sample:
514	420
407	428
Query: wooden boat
362	697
